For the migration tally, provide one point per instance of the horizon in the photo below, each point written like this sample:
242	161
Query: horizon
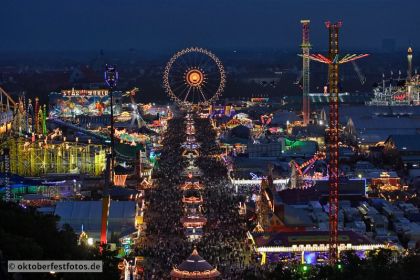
164	25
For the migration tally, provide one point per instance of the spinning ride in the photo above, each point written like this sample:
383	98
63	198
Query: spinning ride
194	77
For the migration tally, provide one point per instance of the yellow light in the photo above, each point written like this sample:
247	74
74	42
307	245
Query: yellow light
90	241
195	77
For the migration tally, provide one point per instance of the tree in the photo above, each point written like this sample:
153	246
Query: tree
28	235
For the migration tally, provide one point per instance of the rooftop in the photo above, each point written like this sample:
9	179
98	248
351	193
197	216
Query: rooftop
194	267
405	142
89	213
288	239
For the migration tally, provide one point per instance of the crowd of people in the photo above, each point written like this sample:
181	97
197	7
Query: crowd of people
165	245
224	243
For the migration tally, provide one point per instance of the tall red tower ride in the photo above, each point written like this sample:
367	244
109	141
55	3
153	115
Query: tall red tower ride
333	137
333	60
306	46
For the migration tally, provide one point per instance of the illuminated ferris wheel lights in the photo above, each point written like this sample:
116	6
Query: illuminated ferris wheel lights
194	76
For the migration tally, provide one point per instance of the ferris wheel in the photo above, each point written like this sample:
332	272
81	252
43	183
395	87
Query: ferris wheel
194	76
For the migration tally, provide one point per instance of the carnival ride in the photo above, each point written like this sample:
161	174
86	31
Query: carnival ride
333	61
306	46
133	138
300	172
35	157
17	119
263	129
239	119
27	119
7	107
41	154
135	113
100	136
362	78
396	91
228	162
194	77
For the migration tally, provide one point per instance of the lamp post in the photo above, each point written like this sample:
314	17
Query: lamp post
111	79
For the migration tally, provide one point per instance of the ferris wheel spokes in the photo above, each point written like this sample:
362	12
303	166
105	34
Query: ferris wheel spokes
194	76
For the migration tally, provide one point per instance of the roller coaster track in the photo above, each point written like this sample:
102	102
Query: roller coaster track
103	138
7	106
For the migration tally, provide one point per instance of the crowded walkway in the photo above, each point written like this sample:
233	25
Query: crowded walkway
223	242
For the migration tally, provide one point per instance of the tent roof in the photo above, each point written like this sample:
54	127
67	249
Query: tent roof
195	263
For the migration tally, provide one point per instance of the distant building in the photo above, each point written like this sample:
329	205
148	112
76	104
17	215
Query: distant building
375	124
284	117
348	187
406	147
308	247
274	215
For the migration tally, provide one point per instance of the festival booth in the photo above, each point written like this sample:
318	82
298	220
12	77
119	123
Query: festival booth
310	247
194	267
192	197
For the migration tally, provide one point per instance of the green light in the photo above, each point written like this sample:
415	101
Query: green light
340	266
305	268
293	144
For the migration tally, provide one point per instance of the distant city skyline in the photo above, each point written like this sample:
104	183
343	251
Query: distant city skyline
164	25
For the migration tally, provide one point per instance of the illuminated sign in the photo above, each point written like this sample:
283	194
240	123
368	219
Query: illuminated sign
83	102
316	238
259	99
84	92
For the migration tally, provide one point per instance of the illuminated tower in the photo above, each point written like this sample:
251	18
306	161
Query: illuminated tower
305	71
333	136
410	63
333	60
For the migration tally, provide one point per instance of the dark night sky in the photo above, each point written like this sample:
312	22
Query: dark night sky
160	25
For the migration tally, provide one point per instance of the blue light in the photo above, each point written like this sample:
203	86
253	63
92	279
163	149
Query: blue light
310	257
111	75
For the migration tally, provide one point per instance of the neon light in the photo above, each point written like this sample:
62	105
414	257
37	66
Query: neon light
255	176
